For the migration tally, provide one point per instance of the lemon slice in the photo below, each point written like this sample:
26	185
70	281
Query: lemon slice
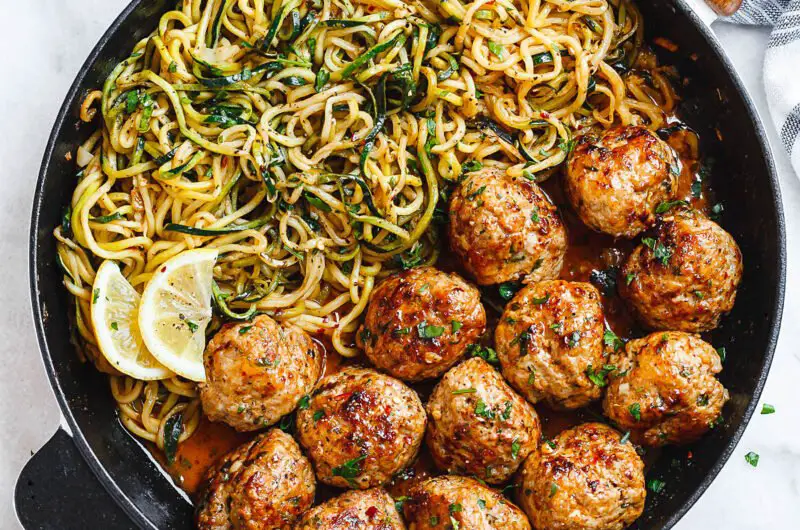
115	312
175	310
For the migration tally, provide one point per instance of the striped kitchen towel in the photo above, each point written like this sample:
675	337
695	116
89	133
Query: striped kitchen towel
781	65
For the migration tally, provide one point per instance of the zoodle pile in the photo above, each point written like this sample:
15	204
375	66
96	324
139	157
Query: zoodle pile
313	143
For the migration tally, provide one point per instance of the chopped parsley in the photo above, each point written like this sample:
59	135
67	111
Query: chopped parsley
114	326
323	76
722	353
463	391
192	326
553	488
483	411
515	447
542	300
507	411
716	211
599	377
612	340
660	251
629	278
485	353
350	469
244	329
95	295
655	485
574	339
666	206
507	290
429	332
456	325
481	504
318	415
304	402
752	458
636	411
766	408
401	331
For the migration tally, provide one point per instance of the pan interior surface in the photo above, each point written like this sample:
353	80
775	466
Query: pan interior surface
743	178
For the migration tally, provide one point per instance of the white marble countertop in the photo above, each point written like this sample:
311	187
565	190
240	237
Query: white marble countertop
46	43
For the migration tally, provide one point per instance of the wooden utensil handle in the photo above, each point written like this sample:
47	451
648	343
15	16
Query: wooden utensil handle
725	7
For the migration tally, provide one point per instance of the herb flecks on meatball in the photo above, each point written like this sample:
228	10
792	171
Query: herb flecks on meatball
460	502
266	483
505	229
685	277
477	425
549	338
664	388
360	428
257	372
420	322
586	478
615	181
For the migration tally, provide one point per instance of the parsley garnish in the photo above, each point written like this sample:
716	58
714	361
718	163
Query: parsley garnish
507	290
666	206
515	447
456	325
599	377
766	408
636	411
349	470
429	332
192	326
482	410
752	458
655	485
660	251
244	329
612	340
304	402
464	391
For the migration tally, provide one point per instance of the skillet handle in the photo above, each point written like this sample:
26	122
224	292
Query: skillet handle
57	490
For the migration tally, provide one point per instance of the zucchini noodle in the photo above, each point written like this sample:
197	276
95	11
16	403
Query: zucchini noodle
314	144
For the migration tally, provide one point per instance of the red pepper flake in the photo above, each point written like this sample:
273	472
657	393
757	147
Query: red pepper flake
163	269
689	455
372	511
545	115
344	396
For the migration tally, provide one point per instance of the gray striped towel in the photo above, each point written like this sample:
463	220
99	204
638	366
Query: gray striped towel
781	65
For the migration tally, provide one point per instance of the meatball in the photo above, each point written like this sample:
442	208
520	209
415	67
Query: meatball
257	372
266	483
371	509
505	229
686	277
420	322
548	338
477	425
584	479
664	389
616	180
360	428
460	502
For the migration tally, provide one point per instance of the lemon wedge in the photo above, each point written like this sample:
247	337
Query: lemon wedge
175	310
115	312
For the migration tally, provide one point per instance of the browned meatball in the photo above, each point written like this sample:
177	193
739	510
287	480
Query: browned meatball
257	372
477	425
420	322
266	483
504	229
686	277
550	335
664	389
360	428
463	503
584	479
371	509
616	180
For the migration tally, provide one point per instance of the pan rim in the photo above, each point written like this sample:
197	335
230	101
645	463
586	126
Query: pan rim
139	518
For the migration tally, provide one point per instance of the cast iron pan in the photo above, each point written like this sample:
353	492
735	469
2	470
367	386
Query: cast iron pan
61	485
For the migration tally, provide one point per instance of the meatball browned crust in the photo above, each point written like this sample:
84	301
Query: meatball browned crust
256	372
616	180
264	484
477	425
504	228
463	503
549	336
360	428
371	509
686	277
585	479
420	322
664	389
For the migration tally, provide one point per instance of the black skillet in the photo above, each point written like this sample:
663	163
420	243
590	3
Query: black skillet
101	477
